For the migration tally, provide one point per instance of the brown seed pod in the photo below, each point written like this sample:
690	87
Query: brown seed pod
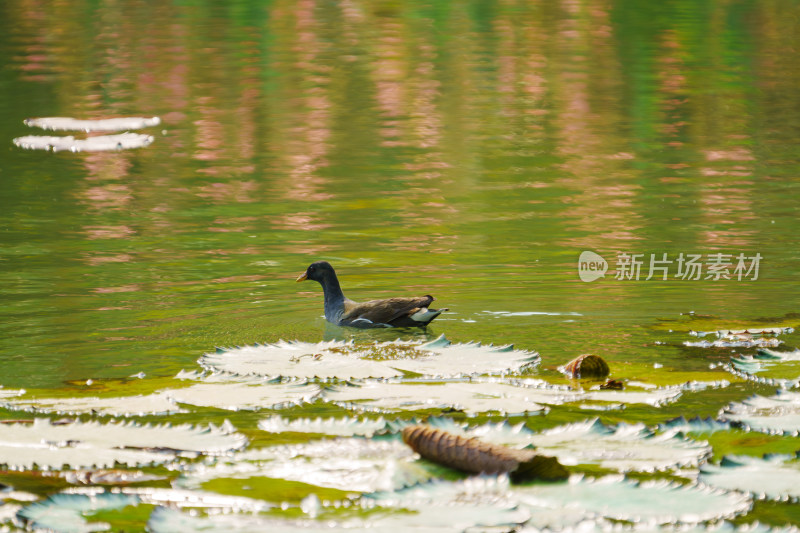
476	457
587	366
612	384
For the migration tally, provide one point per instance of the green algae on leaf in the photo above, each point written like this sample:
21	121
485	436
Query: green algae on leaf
92	444
774	477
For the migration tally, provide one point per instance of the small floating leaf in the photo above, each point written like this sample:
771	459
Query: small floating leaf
108	124
101	143
774	477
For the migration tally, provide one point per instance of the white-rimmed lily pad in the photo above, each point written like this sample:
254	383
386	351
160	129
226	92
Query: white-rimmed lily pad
249	394
323	360
470	397
10	393
197	499
342	427
472	513
780	368
513	435
89	444
774	477
340	360
65	513
779	414
754	331
625	447
100	143
482	396
656	396
106	124
737	342
348	464
654	501
149	404
694	425
472	503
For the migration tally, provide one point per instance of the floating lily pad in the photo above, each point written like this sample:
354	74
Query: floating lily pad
344	427
516	435
753	331
100	143
10	393
737	342
348	464
654	501
79	445
482	396
219	391
107	124
238	394
624	447
774	477
780	368
197	499
779	414
656	396
150	404
471	397
694	425
467	511
65	513
340	360
477	502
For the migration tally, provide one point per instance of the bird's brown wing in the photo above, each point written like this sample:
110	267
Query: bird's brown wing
384	311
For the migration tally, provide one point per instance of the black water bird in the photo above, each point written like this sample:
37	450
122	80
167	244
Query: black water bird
391	312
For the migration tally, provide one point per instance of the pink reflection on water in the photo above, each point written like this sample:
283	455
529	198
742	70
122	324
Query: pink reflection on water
231	191
299	221
121	288
103	259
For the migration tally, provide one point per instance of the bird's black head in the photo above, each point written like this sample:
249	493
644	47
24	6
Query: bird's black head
319	271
